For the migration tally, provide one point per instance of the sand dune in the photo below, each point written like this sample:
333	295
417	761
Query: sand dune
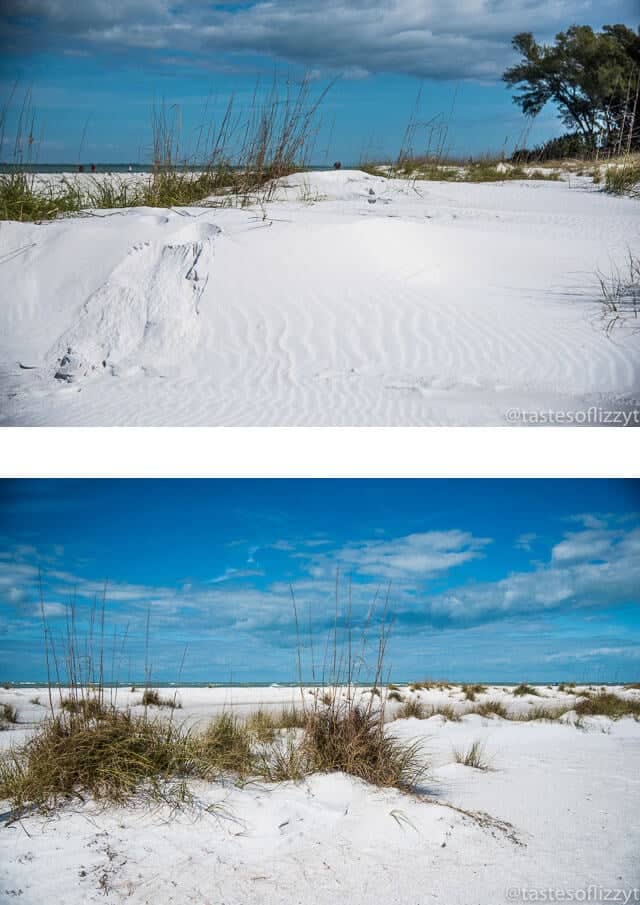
558	810
347	299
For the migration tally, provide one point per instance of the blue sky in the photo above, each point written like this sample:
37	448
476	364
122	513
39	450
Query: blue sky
495	580
95	68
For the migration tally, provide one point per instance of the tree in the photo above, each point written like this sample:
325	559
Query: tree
592	77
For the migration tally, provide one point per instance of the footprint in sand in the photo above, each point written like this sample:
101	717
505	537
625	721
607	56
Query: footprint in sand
145	316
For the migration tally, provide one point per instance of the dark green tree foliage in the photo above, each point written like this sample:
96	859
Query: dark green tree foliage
592	77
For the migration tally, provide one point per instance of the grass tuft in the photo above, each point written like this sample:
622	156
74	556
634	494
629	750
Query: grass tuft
520	690
108	757
352	739
412	709
447	712
624	179
224	747
470	691
491	708
151	698
474	756
606	703
8	714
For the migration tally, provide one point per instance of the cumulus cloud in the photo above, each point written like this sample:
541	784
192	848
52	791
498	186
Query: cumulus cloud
592	567
596	566
426	38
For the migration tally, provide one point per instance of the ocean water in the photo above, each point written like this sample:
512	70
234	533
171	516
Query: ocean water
112	167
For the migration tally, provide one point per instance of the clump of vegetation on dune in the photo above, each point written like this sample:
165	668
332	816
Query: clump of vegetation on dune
620	293
353	739
541	713
151	698
436	169
109	756
412	709
447	712
522	689
491	708
470	691
623	179
8	714
474	756
606	703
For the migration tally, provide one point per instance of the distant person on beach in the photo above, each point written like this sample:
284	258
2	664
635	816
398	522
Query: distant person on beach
130	168
337	165
93	167
80	168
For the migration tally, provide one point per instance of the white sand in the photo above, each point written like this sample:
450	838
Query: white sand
560	810
437	303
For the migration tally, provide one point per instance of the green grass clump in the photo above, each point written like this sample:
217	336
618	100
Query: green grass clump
541	713
470	691
352	740
8	714
520	690
151	698
447	712
411	709
109	758
22	200
90	707
474	756
606	703
290	718
491	708
225	746
261	725
623	180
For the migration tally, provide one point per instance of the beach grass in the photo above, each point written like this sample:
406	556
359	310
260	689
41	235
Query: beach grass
470	691
522	689
412	709
151	698
623	179
491	708
473	756
110	756
607	704
8	714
